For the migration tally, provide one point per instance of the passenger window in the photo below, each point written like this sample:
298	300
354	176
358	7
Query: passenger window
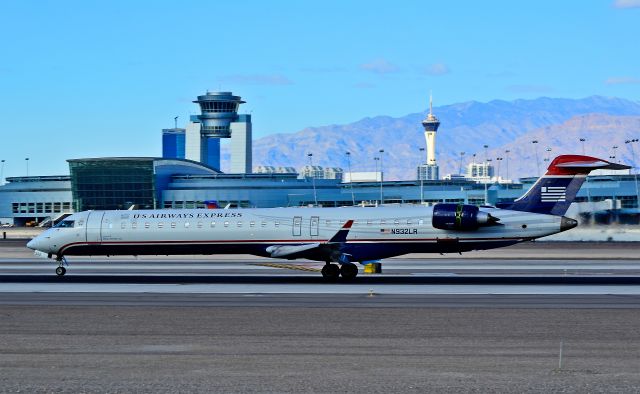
327	223
199	224
160	225
396	222
420	222
173	224
251	224
409	222
239	224
134	225
382	222
187	224
368	222
123	225
277	223
147	225
213	224
263	224
226	224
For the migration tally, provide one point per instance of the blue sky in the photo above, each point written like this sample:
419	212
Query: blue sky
89	78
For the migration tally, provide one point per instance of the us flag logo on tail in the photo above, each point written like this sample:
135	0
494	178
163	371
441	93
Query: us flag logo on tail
553	194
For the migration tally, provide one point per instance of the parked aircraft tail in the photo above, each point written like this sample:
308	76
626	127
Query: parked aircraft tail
554	192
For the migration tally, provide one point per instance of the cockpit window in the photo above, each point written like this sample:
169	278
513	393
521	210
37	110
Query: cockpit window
65	223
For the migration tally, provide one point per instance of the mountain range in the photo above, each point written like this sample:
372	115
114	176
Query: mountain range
555	123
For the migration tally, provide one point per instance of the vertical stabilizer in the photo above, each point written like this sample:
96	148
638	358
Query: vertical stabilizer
554	192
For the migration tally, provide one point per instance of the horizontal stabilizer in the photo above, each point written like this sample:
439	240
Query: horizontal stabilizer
593	165
577	164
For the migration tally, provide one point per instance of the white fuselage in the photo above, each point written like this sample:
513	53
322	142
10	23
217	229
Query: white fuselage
378	232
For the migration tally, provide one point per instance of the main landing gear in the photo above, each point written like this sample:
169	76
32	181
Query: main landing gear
332	272
60	271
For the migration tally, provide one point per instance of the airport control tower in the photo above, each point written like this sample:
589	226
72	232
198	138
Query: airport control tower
430	171
219	119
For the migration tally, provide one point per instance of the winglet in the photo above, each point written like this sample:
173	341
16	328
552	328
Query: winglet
341	235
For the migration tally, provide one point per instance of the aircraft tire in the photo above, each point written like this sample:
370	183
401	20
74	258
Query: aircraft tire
349	271
330	272
60	271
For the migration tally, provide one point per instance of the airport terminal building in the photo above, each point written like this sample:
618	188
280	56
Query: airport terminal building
158	183
188	176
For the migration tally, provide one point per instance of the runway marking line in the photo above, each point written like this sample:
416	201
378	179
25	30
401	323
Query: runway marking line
288	266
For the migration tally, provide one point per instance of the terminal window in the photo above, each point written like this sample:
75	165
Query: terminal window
112	184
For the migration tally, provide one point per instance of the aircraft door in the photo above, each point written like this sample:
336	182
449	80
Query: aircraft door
106	230
314	223
297	226
94	224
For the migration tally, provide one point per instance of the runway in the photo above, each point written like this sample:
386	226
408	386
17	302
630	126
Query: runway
255	281
481	323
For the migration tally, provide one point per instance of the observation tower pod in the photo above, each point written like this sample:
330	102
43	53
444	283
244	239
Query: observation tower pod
218	110
430	124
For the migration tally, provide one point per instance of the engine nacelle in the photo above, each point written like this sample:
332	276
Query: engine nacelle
460	217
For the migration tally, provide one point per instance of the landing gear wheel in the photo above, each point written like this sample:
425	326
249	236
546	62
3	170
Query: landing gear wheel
349	271
330	272
60	271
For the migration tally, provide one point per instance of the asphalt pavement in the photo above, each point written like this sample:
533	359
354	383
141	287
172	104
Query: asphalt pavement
555	318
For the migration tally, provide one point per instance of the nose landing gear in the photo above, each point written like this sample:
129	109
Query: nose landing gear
62	261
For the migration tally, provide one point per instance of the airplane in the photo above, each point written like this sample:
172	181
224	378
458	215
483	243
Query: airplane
340	237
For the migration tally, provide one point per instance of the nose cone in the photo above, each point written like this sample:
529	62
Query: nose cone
567	223
32	244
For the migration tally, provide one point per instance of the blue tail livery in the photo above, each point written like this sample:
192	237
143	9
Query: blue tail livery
554	192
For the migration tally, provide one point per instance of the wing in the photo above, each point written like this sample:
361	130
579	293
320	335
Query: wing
328	249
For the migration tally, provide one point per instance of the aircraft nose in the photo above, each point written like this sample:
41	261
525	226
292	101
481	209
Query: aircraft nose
567	223
32	244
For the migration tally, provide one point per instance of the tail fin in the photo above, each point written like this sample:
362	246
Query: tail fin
554	192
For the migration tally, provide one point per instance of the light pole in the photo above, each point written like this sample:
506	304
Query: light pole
486	174
586	177
635	173
313	179
2	173
26	159
376	160
381	175
421	175
548	154
473	165
353	198
535	144
460	166
499	160
506	152
615	147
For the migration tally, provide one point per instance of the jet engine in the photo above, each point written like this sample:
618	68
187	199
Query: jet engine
461	217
